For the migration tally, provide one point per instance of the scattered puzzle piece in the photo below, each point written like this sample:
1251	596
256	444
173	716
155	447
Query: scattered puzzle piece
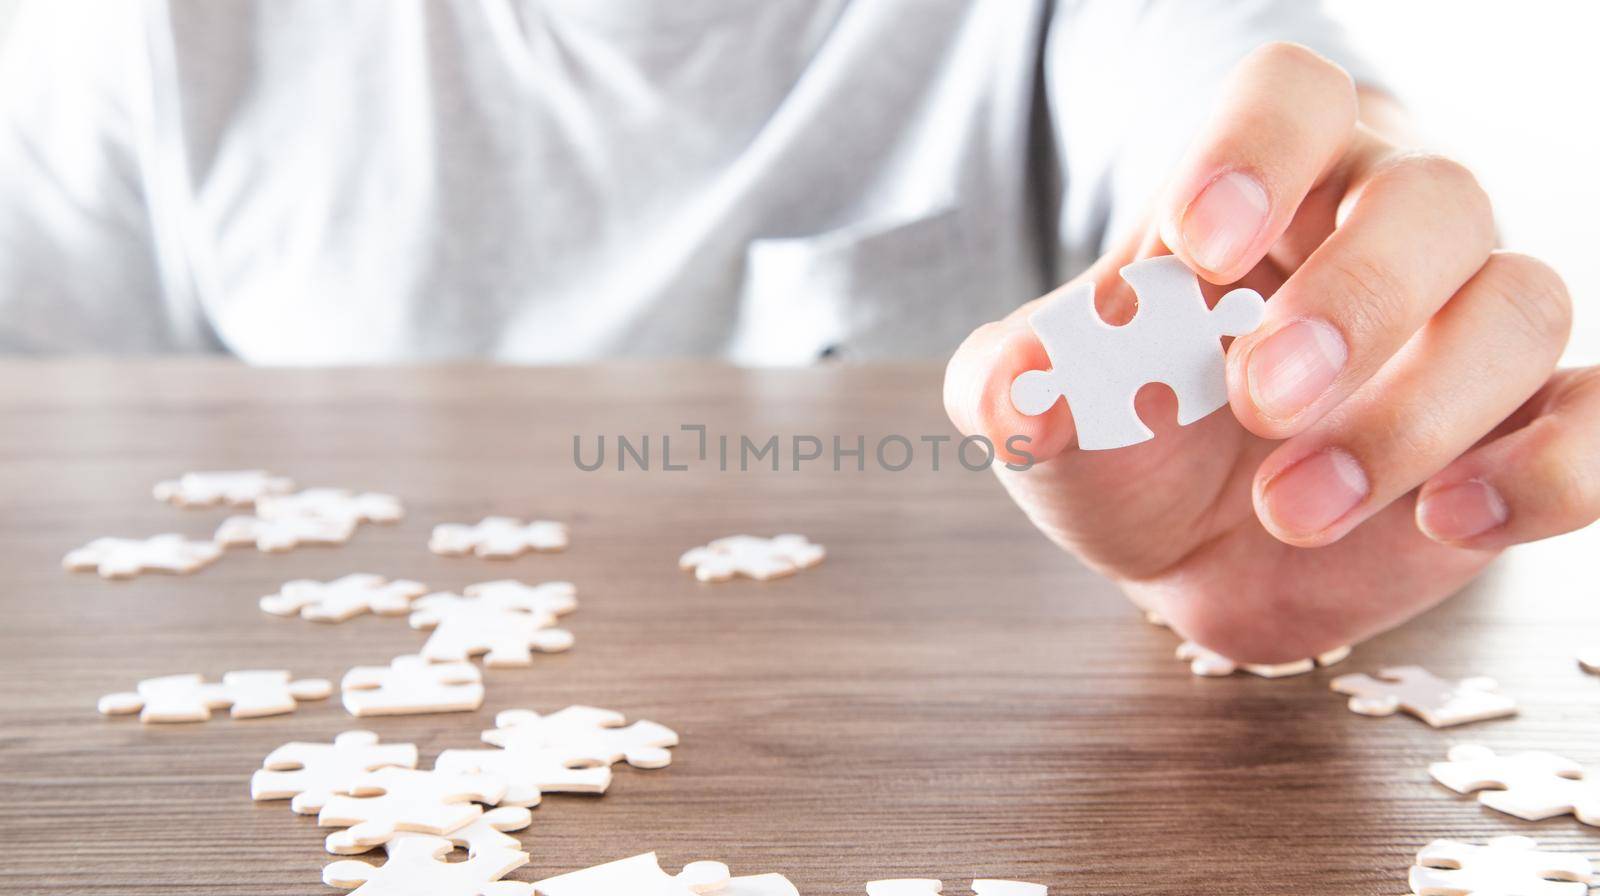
498	537
239	488
189	698
1534	785
343	598
124	558
487	831
1210	664
340	504
394	799
283	533
311	773
1437	701
416	866
928	887
642	876
506	620
1173	339
568	751
1507	866
411	685
751	556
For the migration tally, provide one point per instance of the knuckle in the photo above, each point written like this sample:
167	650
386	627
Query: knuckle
1372	298
1282	59
1534	292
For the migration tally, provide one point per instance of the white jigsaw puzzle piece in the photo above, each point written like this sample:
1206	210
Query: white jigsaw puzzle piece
283	533
751	556
1533	785
416	866
487	831
341	504
308	774
189	698
411	685
1439	702
1210	664
498	537
388	800
124	558
642	875
1174	338
343	598
239	488
506	621
920	886
1507	866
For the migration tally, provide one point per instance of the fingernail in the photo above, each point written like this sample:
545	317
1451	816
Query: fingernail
1462	511
1316	492
1223	220
1291	368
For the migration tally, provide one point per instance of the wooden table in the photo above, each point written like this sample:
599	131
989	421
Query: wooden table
947	696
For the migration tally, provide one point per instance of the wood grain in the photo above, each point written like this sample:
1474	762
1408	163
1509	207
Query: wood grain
947	695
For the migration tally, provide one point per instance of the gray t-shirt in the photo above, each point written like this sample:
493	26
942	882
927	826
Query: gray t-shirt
313	182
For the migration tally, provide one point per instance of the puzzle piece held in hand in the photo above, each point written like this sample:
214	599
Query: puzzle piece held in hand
124	558
568	751
751	556
394	799
283	533
1437	701
343	598
416	866
238	488
189	698
642	876
1534	785
1173	339
505	620
410	685
1507	866
498	537
311	773
1210	664
929	887
487	831
342	504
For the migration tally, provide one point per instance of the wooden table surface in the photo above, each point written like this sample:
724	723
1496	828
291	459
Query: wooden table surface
947	696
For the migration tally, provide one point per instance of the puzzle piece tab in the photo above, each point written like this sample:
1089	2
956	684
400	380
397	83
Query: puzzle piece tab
1173	339
929	887
1507	866
487	831
239	488
342	504
416	866
311	773
343	598
1437	701
1210	664
642	876
392	799
1534	785
189	698
124	558
751	556
569	751
410	685
498	537
507	621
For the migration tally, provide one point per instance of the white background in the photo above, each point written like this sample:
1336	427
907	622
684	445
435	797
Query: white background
1513	90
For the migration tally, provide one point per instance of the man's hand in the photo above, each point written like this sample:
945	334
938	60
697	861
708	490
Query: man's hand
1396	419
